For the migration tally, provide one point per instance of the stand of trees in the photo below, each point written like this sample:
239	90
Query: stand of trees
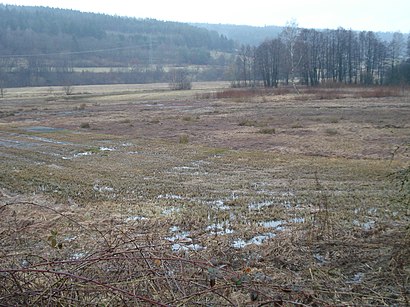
44	46
314	57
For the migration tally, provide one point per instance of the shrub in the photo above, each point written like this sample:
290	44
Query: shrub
68	89
334	120
267	131
187	118
180	80
379	92
331	131
247	123
85	125
237	93
183	139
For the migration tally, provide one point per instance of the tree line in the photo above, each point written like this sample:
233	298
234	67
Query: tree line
44	46
313	57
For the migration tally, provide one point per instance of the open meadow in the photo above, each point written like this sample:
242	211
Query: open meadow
130	195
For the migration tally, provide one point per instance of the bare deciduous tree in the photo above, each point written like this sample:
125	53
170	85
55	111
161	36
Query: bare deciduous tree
2	89
313	57
408	46
268	57
290	36
68	89
180	79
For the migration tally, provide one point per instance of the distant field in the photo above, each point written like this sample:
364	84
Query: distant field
101	69
135	194
166	68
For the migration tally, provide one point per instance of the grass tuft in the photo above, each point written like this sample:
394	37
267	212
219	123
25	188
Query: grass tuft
183	139
267	131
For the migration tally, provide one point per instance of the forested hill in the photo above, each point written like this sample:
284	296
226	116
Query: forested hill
247	35
103	40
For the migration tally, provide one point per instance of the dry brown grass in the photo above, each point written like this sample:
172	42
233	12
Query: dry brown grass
124	214
320	262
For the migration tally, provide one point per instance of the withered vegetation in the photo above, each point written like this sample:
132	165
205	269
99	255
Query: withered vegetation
245	198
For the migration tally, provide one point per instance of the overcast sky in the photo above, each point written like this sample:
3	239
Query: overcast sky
374	15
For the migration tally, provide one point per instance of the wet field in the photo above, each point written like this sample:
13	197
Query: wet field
270	184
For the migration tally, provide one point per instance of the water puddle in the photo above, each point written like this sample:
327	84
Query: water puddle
182	241
260	205
357	278
279	225
102	189
194	168
170	211
136	218
78	256
81	154
365	226
42	129
70	239
169	196
297	220
372	211
220	228
239	243
102	148
320	259
184	168
257	240
176	247
368	225
273	224
174	229
219	205
17	144
179	235
268	203
276	225
47	140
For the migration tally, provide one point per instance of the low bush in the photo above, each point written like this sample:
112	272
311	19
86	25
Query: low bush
85	125
267	131
183	139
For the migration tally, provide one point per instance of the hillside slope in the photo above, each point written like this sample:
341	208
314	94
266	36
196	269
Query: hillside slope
36	43
243	34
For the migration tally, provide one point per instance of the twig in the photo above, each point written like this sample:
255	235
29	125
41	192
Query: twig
96	282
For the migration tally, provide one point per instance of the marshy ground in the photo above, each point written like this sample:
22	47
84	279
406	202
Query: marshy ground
127	195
